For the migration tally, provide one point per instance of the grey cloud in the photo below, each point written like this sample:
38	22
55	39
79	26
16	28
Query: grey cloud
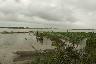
88	5
67	12
49	11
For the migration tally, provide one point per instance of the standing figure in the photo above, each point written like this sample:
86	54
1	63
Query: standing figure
37	36
41	38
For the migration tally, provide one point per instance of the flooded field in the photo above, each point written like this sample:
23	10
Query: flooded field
24	46
10	43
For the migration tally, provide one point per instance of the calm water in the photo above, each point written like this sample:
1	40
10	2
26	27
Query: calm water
10	43
55	30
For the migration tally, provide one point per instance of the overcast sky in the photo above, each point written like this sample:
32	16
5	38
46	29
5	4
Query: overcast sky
48	13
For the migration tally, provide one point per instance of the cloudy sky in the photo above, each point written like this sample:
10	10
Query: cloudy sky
48	13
